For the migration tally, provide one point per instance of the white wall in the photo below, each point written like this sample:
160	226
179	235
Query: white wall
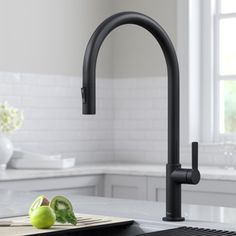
50	36
135	52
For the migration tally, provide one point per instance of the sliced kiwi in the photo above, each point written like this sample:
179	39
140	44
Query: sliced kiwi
61	203
39	201
63	210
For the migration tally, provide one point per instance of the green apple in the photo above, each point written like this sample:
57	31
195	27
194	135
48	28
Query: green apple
39	201
43	217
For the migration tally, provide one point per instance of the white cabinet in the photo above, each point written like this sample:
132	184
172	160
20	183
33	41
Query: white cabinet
207	192
102	182
211	192
124	186
82	185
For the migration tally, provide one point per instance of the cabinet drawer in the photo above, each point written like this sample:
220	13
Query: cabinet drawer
83	185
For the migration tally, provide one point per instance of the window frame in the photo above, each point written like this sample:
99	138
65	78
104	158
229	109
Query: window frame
207	61
218	136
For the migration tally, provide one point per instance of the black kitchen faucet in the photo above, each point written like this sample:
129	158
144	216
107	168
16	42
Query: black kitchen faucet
175	175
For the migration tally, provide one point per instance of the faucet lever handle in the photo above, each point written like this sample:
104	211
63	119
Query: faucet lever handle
188	176
195	155
193	175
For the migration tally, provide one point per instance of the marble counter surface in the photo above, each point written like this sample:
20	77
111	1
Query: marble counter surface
147	214
208	173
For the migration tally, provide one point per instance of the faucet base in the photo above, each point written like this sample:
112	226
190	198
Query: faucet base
166	218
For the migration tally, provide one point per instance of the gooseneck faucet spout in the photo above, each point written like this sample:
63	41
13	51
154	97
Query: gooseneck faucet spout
175	175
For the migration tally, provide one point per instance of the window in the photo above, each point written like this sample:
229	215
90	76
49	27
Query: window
207	55
225	65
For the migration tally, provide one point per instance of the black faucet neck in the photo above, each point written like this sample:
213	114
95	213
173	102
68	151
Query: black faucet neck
89	70
173	186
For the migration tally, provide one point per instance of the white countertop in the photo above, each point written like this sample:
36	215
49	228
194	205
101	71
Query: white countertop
146	213
207	173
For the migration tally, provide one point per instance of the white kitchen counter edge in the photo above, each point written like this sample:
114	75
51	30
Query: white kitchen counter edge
151	170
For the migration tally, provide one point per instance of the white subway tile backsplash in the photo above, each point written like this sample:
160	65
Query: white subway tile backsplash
16	100
140	124
53	115
50	102
133	104
6	89
10	78
160	82
96	156
156	135
140	119
130	124
160	105
129	156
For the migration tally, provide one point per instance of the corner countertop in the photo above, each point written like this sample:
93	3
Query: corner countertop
151	170
147	213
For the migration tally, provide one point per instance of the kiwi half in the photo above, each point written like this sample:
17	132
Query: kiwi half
63	210
61	203
39	201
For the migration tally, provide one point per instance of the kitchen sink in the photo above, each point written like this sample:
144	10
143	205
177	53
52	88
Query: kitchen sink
190	231
135	230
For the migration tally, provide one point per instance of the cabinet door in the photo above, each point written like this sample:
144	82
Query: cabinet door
156	190
128	187
207	192
82	185
211	192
